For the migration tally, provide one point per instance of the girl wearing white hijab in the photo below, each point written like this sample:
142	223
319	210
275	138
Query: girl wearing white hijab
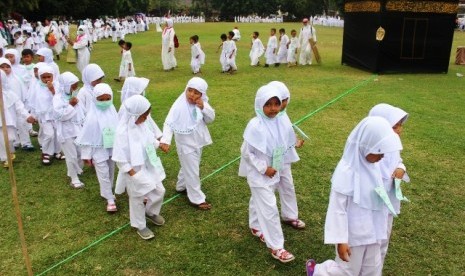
187	120
91	76
41	106
356	221
68	119
96	140
391	165
286	189
133	86
266	143
140	170
17	85
167	49
46	55
81	45
14	112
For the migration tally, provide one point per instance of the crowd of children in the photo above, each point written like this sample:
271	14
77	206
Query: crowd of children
84	128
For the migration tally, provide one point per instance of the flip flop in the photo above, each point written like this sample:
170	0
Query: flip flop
310	266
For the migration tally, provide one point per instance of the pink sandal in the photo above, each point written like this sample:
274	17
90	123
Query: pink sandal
296	223
257	233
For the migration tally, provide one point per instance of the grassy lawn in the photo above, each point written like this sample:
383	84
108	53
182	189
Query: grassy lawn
427	237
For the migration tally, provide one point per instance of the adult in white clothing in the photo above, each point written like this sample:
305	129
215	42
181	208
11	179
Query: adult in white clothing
306	32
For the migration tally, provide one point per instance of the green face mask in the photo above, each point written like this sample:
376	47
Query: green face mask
103	105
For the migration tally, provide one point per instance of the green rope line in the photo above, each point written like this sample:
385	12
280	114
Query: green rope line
206	177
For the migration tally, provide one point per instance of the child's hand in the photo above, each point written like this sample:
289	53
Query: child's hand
51	87
169	49
199	104
30	120
270	172
398	173
73	101
197	57
132	172
299	143
164	147
343	250
88	162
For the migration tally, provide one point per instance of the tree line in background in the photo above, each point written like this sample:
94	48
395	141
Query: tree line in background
211	9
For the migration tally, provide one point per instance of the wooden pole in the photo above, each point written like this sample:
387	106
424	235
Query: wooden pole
13	184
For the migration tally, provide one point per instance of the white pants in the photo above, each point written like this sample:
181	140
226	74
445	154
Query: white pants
73	159
286	190
48	138
137	210
106	173
365	260
11	132
385	243
189	176
264	216
195	66
231	63
23	132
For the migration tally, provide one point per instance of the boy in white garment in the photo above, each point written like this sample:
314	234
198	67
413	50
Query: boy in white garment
140	170
356	220
266	142
230	54
69	117
223	47
292	47
283	44
187	120
256	50
197	54
271	49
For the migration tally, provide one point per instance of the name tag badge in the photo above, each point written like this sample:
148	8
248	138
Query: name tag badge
277	162
384	196
398	190
108	137
153	158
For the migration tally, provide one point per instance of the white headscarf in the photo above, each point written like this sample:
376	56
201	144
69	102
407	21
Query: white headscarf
354	175
46	53
133	86
16	54
267	134
97	120
183	116
9	97
291	155
132	139
42	97
393	115
91	73
61	99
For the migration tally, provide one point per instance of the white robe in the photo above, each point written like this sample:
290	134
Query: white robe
270	53
168	59
126	63
256	51
83	53
197	57
282	51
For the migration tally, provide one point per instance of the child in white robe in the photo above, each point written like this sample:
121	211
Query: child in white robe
41	104
230	53
283	43
197	54
140	170
14	109
126	68
266	142
286	189
293	45
17	86
256	50
223	60
68	119
187	120
19	41
91	76
356	221
96	140
271	49
392	167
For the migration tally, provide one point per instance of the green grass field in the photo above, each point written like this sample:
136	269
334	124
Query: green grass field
427	237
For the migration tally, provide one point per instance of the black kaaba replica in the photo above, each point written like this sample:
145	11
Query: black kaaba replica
399	36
